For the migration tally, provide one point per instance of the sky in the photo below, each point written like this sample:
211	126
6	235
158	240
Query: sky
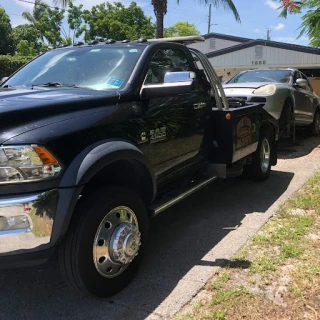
257	16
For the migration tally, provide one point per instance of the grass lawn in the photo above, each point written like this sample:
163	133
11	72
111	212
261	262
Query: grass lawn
276	275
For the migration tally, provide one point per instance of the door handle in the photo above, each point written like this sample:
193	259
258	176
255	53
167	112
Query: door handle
199	105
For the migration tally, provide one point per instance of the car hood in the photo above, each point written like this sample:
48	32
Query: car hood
253	85
22	109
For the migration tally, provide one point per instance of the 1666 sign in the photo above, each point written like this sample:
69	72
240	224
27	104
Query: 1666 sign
258	62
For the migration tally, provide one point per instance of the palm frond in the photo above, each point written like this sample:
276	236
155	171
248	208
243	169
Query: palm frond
63	3
28	16
225	4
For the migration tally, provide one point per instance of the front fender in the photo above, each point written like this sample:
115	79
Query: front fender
276	102
95	157
88	163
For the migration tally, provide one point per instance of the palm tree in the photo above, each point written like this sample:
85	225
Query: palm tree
160	9
38	11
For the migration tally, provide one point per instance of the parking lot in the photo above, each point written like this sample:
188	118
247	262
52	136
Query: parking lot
187	243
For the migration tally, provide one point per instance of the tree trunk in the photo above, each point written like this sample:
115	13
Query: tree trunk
159	23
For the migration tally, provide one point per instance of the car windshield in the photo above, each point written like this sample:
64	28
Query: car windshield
278	76
99	68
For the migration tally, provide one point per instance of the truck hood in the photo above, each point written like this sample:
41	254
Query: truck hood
252	85
42	99
22	109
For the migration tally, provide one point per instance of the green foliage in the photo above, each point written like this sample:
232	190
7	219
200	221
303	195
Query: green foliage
25	32
50	25
43	48
39	9
26	49
67	41
9	64
219	315
181	29
75	20
6	40
311	19
118	22
311	24
159	8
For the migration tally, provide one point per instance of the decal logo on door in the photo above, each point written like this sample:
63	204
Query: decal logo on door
158	134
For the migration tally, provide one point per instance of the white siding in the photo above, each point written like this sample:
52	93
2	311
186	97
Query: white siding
271	57
219	44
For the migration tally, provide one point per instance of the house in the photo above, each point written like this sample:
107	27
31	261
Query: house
231	54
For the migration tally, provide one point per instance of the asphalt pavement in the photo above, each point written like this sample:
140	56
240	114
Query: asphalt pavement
188	243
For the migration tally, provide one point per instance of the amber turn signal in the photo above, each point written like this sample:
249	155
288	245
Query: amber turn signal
46	157
228	116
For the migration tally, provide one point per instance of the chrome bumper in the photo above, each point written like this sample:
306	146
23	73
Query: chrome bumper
26	222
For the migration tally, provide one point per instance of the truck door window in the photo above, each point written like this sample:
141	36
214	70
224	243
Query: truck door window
202	75
166	60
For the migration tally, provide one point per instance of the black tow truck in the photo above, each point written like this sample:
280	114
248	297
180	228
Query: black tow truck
97	138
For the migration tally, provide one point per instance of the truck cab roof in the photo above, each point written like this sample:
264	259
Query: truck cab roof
140	42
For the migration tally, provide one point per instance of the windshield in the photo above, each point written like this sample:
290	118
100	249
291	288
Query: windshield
99	68
279	76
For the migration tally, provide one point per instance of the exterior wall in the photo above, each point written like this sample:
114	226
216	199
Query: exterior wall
206	46
265	57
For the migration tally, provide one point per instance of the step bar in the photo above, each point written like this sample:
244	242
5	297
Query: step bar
160	206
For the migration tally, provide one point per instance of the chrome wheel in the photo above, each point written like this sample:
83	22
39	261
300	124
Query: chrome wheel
265	155
117	242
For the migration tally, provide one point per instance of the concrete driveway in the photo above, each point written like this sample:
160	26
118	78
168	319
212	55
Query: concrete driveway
188	242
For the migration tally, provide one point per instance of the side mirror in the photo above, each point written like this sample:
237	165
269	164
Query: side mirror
3	79
179	76
174	83
301	82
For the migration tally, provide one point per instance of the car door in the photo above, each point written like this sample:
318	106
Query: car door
311	98
174	124
302	101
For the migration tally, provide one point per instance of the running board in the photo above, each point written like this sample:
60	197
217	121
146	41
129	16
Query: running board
164	204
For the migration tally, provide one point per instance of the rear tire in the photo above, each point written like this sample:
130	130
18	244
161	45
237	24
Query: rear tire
105	242
314	128
260	167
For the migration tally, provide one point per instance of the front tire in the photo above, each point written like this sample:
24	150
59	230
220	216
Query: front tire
260	167
105	242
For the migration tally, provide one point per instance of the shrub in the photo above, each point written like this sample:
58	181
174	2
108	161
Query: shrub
9	64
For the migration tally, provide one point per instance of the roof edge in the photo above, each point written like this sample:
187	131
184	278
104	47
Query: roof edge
225	37
267	43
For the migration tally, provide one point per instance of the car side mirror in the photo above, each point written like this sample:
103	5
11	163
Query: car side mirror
4	79
301	83
175	83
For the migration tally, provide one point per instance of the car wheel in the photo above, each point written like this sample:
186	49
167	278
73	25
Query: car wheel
315	126
105	242
260	167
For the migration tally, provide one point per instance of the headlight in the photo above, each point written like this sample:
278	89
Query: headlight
27	163
268	89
